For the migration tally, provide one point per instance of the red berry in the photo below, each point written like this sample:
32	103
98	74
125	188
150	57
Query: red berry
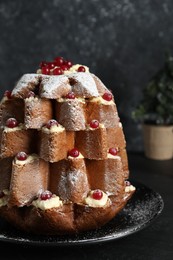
7	94
45	195
70	95
81	69
45	70
64	67
127	183
107	96
51	123
97	194
57	71
2	194
21	156
73	153
113	151
68	63
31	94
59	61
11	122
94	123
51	65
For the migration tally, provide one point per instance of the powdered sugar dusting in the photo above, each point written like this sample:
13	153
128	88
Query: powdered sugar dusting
85	85
24	81
51	84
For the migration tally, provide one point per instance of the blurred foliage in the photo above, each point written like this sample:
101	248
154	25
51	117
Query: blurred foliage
156	106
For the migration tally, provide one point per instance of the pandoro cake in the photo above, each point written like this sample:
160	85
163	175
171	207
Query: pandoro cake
63	159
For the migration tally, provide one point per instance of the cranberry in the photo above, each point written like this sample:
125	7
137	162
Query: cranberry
51	65
97	194
107	96
57	71
94	123
59	61
81	69
73	153
21	156
45	195
45	70
127	183
51	123
2	194
11	122
31	94
68	63
64	67
113	151
7	94
70	95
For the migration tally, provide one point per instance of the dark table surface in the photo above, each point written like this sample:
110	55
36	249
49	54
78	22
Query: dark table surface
153	242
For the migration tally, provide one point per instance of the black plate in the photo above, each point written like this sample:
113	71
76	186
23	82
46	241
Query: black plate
140	211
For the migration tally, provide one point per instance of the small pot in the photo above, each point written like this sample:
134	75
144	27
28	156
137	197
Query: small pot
158	141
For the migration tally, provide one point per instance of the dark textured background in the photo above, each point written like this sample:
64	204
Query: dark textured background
122	41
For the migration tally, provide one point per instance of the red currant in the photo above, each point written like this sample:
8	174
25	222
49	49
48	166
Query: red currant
94	123
73	153
51	65
45	195
51	123
22	156
70	95
11	122
113	151
7	94
81	69
68	63
107	96
57	71
59	61
45	70
97	194
64	67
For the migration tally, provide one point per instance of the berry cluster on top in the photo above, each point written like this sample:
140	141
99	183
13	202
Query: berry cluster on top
59	66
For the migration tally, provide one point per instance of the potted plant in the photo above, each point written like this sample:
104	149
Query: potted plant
155	112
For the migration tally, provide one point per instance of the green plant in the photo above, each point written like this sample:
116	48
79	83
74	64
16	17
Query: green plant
156	105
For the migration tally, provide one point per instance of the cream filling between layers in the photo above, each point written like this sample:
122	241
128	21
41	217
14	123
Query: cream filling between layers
53	202
4	200
96	203
54	129
100	100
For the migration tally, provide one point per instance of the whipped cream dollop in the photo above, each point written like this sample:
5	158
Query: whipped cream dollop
53	202
29	159
74	69
53	129
90	201
129	188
